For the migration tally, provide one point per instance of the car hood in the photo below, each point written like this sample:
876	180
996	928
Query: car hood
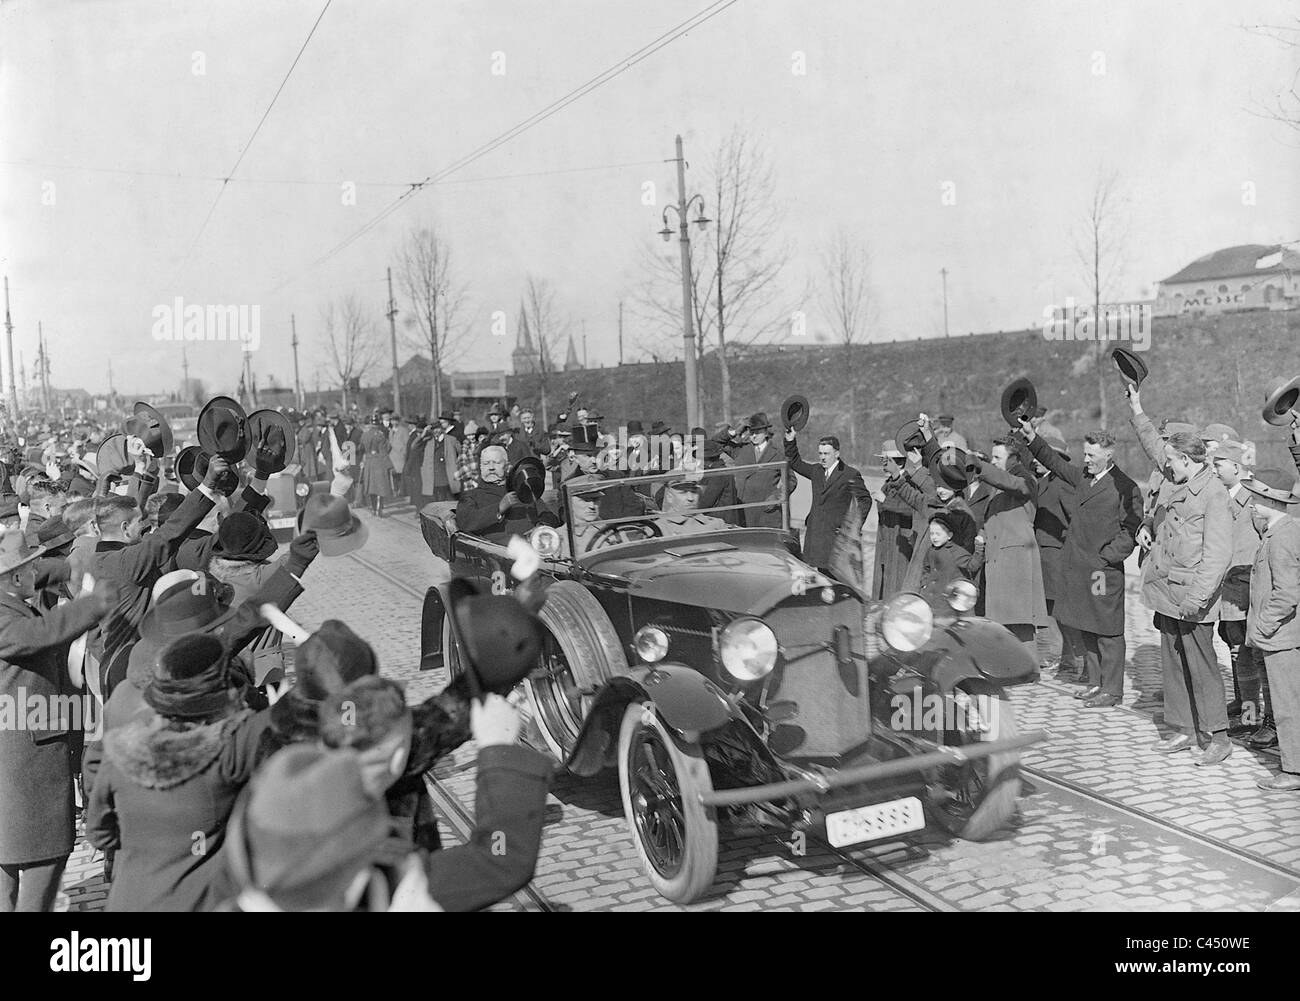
709	573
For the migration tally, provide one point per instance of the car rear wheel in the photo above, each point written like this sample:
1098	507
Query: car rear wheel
661	779
580	652
978	799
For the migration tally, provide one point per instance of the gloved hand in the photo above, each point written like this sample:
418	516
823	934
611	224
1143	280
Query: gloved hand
270	447
302	550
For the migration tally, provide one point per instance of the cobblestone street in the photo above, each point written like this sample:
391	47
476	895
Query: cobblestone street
1105	822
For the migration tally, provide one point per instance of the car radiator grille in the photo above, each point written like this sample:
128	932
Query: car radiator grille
833	703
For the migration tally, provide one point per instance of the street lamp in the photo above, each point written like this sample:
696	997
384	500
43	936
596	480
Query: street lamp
682	209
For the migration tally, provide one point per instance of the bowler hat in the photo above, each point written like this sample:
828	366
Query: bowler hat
527	478
338	530
1281	401
634	427
270	432
149	425
15	553
223	429
502	639
1019	399
949	467
909	437
306	828
759	422
1273	484
1130	366
795	412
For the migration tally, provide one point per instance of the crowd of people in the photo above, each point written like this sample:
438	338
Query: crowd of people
135	591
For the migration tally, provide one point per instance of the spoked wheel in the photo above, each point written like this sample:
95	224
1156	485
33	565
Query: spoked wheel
558	702
978	799
661	779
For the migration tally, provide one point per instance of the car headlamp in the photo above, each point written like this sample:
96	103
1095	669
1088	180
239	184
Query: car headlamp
907	622
961	595
546	540
748	649
302	490
651	644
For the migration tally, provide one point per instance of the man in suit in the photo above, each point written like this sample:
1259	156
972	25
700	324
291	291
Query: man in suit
834	487
1104	512
756	486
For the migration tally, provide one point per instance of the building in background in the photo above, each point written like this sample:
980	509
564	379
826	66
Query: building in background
1252	276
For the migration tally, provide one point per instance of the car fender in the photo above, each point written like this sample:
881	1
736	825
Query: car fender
688	702
432	615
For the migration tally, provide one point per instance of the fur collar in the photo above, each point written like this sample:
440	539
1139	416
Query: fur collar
160	753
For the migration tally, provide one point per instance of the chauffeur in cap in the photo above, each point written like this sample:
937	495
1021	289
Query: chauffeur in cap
944	433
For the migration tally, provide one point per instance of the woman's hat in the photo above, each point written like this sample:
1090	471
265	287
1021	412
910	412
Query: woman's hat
502	639
1130	366
271	431
795	412
223	429
1019	399
246	537
338	530
191	678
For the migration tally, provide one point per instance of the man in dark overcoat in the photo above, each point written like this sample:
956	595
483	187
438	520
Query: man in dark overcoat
895	538
834	487
759	485
36	756
1105	512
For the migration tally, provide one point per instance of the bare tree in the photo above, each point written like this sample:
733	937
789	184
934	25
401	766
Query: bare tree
349	330
425	276
736	263
548	328
848	306
1099	245
1284	106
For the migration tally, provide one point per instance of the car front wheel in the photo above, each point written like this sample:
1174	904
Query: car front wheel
661	779
978	799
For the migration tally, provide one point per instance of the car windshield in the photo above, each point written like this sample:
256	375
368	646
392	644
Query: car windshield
620	510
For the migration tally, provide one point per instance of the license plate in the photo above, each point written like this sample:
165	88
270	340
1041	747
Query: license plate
870	823
283	523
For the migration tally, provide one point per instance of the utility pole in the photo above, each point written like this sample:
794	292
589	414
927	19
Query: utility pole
944	272
584	344
297	385
620	331
688	307
185	373
9	356
23	394
45	370
392	340
112	394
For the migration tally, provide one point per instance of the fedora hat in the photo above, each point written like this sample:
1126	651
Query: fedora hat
338	530
951	474
1130	366
659	427
502	639
149	425
759	422
1273	484
111	456
585	438
1019	399
187	466
909	436
223	429
54	534
272	430
795	412
15	553
1281	401
527	478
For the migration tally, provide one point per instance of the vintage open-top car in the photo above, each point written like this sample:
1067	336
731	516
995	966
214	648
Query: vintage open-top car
723	677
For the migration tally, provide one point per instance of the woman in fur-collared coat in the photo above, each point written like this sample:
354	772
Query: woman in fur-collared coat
170	779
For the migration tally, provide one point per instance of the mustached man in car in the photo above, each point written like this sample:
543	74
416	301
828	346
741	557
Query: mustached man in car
493	511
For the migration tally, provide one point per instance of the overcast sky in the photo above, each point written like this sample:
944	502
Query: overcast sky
1002	99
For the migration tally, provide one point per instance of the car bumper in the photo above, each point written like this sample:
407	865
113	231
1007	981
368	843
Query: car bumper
823	784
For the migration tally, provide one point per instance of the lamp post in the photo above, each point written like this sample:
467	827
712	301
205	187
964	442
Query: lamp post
682	208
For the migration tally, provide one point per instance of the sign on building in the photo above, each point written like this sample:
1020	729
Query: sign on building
478	385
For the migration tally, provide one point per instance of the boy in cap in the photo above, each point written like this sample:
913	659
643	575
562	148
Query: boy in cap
946	560
1272	625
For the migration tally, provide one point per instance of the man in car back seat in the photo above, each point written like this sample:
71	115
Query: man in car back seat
493	512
